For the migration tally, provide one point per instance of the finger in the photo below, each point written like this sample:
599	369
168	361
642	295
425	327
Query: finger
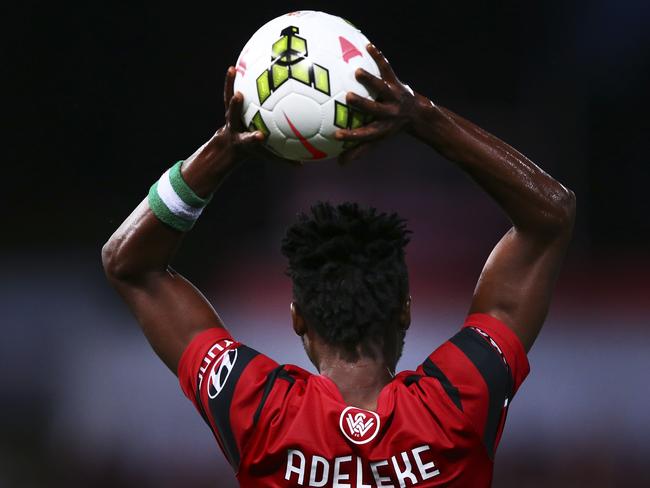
370	132
247	138
233	114
373	84
368	106
385	68
228	86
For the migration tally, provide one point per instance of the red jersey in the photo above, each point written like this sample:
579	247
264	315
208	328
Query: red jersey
280	425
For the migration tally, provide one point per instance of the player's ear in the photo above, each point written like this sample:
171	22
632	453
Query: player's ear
405	316
297	320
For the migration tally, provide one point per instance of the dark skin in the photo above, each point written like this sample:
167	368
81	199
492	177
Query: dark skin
515	285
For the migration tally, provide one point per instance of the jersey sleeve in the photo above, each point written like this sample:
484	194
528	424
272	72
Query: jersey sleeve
225	380
480	369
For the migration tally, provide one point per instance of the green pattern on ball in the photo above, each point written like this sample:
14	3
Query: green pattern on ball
289	61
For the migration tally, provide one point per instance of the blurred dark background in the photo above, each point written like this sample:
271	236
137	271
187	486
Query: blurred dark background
99	98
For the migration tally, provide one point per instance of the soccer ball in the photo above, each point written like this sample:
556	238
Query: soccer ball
294	74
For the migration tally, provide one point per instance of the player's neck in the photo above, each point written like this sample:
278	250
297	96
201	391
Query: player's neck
359	382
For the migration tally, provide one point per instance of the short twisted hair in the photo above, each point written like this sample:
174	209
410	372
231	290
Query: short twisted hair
348	270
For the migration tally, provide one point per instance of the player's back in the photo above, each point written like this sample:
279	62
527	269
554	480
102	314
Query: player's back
311	437
280	425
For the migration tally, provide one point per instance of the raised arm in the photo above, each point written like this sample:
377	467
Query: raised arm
137	257
517	281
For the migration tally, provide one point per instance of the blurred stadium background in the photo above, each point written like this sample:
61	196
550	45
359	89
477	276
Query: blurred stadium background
100	98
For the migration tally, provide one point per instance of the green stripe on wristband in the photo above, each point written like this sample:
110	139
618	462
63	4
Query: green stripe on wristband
163	213
183	190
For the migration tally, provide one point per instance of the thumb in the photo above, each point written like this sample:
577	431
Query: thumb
247	138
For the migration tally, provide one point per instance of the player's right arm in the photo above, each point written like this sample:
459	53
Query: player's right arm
516	283
136	259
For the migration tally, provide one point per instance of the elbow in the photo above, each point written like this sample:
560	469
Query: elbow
567	208
114	266
122	268
562	214
109	260
555	218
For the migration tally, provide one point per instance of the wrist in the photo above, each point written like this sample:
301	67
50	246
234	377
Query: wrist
174	202
204	170
425	118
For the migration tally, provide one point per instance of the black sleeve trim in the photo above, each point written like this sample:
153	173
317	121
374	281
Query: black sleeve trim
414	378
433	371
278	372
220	405
496	375
197	395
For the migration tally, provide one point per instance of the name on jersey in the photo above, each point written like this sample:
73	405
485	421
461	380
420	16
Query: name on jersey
413	467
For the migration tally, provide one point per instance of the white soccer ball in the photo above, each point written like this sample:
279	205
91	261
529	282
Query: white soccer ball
294	74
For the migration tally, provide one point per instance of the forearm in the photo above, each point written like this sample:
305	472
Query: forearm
533	200
170	310
143	244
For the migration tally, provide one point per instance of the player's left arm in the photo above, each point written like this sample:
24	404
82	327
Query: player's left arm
136	259
517	280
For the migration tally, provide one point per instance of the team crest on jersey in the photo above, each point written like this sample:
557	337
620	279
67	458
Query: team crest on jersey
359	426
